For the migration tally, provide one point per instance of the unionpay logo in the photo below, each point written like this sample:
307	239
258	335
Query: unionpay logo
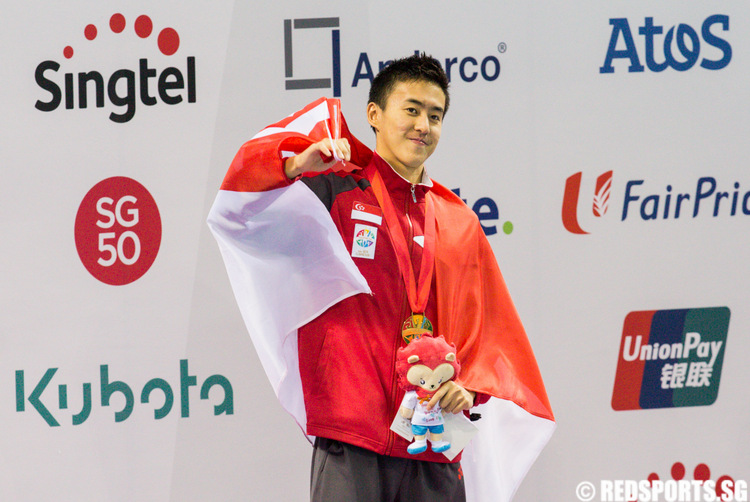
670	358
124	88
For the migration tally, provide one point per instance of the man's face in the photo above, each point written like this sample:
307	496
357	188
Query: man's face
408	129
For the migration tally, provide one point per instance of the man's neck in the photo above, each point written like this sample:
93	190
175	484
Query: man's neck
412	175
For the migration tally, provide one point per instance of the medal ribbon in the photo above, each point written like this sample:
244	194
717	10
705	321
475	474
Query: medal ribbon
416	291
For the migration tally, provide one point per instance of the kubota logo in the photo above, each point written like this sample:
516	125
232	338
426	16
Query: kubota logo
570	200
165	395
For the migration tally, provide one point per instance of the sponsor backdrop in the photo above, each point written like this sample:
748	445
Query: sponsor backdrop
603	146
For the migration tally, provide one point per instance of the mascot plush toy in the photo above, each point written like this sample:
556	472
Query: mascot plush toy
423	366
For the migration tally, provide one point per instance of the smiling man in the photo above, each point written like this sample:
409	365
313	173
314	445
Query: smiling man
367	461
430	269
407	125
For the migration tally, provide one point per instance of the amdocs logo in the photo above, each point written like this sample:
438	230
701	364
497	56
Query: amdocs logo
124	88
670	358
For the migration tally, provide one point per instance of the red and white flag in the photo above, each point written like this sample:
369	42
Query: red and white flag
287	264
366	212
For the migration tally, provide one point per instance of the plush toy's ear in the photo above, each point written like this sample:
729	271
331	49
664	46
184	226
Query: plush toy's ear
414	358
450	356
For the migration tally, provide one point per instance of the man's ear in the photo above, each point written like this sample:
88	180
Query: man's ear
373	115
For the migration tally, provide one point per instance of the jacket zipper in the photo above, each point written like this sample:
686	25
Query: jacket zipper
405	312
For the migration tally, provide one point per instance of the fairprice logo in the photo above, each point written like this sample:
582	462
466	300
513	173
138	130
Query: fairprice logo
599	205
707	196
125	87
118	231
678	47
31	389
670	358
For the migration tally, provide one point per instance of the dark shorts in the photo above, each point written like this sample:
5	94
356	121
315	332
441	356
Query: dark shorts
346	473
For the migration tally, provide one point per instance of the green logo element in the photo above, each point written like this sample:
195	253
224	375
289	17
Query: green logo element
109	388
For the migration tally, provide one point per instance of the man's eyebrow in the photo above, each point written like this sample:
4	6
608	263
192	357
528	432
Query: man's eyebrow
419	103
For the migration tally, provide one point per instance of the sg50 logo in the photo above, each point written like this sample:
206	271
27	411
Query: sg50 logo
683	36
118	231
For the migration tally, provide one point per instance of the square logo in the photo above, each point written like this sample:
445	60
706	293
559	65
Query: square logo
291	26
365	238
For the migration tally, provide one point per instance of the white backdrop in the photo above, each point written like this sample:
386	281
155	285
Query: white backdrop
529	109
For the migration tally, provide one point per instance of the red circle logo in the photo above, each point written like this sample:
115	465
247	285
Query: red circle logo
118	231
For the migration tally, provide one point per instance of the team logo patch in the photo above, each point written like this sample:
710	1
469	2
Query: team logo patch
365	238
366	212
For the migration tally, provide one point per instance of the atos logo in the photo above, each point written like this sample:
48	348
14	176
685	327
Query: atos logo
297	34
124	87
680	46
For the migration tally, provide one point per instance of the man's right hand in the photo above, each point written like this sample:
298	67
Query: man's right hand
317	157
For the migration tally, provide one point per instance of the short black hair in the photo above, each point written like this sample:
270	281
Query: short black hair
409	69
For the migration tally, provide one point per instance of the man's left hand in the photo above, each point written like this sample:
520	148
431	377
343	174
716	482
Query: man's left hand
452	397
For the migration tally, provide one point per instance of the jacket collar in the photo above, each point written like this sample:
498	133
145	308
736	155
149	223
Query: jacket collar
398	187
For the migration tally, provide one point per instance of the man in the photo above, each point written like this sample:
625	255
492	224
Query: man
428	267
408	101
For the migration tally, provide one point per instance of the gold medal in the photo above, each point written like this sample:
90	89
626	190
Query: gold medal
417	286
415	326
